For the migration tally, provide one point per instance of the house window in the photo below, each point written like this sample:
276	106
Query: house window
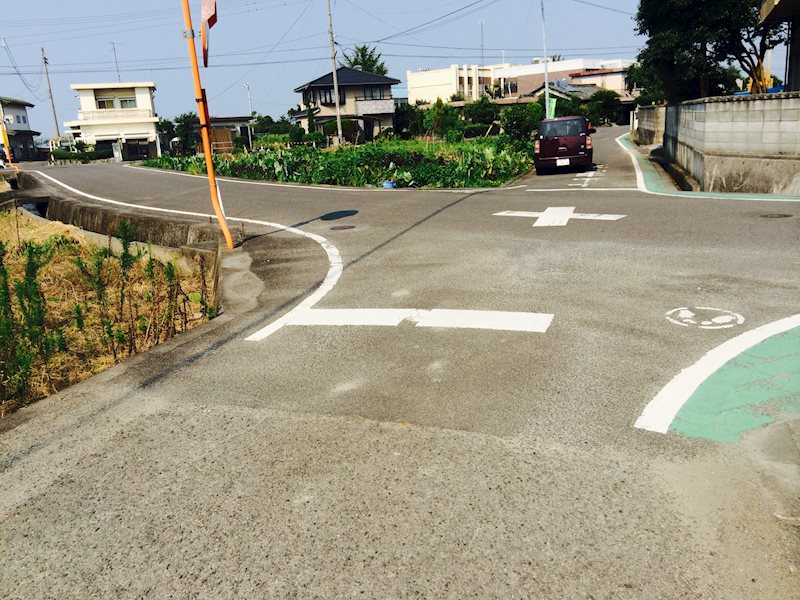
104	103
19	120
373	92
127	102
326	96
24	119
308	97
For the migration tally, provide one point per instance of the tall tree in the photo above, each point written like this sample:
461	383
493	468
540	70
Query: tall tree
689	39
366	58
184	129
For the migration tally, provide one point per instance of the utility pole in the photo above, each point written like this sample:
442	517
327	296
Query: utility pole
116	62
546	69
249	123
482	58
50	93
335	77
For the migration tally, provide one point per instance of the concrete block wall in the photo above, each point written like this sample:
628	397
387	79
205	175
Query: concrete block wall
754	140
650	124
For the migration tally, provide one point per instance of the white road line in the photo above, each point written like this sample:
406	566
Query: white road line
662	410
557	216
451	319
334	258
581	188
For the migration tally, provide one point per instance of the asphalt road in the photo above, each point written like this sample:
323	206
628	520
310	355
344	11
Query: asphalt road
394	461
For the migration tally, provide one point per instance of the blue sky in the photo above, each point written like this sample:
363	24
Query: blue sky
276	45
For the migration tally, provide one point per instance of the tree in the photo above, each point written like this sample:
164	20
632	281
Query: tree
312	122
520	120
408	121
166	128
604	107
262	123
184	130
482	112
689	39
368	59
440	118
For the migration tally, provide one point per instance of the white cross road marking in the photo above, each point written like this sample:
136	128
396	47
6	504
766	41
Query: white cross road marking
557	216
454	319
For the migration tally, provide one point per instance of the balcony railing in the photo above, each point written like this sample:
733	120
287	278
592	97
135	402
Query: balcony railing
114	114
374	107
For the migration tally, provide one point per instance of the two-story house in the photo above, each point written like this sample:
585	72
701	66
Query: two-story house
20	134
363	97
117	113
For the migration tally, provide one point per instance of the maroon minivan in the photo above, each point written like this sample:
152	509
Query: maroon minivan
563	142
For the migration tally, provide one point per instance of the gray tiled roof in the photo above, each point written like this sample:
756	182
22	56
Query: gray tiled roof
348	77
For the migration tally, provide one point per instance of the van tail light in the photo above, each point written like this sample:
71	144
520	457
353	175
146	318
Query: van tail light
588	142
536	147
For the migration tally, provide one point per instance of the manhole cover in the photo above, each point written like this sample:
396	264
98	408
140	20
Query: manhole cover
776	216
342	227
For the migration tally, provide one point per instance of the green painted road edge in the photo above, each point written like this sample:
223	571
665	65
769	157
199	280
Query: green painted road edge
649	181
748	392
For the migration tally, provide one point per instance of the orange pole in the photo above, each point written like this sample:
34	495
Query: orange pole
202	113
6	141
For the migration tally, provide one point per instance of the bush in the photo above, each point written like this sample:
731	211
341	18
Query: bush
316	137
83	156
271	138
351	131
296	133
474	131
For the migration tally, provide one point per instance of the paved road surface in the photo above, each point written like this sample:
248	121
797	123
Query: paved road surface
399	460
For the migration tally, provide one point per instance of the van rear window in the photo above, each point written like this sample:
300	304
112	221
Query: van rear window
562	128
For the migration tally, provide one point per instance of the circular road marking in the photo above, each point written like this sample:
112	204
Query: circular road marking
704	317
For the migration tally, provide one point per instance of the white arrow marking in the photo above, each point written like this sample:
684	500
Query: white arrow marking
455	319
557	216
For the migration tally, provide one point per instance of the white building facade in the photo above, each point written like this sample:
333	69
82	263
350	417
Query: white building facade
506	80
117	113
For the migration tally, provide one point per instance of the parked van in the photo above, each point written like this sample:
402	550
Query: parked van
563	142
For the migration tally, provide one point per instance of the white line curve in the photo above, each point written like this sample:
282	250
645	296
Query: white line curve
334	257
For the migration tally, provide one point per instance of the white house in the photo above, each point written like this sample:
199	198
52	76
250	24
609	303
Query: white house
122	113
20	134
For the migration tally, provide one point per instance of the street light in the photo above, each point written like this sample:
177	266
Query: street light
546	71
249	123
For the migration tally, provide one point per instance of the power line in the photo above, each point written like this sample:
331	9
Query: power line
437	20
603	7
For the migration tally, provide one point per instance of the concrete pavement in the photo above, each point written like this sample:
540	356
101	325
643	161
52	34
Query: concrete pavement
390	461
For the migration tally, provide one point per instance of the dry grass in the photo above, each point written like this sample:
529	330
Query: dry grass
144	318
